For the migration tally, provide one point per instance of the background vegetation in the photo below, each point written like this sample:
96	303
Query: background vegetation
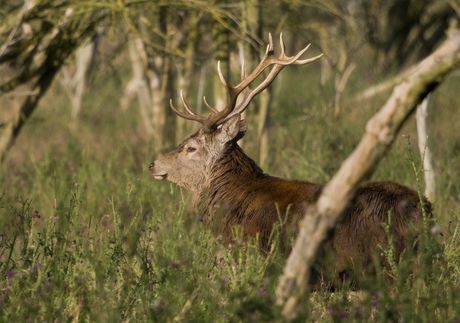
87	235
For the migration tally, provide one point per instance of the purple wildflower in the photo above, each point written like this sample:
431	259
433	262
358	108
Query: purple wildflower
56	218
36	215
375	302
148	260
173	265
66	285
263	292
9	273
200	219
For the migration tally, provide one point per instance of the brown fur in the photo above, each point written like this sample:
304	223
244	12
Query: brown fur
219	173
253	200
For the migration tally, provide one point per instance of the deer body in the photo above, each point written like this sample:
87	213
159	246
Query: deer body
212	165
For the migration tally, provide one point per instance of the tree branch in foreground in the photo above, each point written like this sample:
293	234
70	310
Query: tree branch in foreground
381	130
422	133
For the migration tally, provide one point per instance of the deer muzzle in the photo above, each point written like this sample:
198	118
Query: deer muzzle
156	173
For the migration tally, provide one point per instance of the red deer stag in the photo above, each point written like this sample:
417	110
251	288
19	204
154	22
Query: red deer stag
212	165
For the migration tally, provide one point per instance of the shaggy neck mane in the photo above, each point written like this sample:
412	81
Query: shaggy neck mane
229	177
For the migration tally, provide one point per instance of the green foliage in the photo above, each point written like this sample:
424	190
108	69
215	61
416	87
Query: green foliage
87	235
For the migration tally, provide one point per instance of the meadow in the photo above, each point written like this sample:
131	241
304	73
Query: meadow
86	234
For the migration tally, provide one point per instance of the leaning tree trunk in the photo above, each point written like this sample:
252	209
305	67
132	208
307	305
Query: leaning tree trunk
58	44
11	129
424	148
381	130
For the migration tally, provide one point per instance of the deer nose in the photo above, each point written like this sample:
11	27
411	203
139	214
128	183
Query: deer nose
151	166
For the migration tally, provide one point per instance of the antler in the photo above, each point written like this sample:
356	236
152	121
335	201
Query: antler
219	117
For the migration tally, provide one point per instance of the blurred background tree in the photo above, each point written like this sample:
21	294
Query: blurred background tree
174	45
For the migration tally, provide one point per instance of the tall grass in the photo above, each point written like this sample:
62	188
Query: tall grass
87	235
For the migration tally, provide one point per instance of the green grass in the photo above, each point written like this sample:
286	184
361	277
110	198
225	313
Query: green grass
114	245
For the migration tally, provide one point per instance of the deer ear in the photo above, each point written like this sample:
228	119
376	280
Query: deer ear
233	129
242	131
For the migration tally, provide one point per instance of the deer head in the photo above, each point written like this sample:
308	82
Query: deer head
189	165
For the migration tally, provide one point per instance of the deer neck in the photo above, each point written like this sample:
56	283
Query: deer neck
233	165
227	173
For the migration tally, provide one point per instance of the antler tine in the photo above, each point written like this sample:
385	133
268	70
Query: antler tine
193	117
250	94
268	59
308	60
285	60
283	47
210	107
185	104
222	78
219	117
270	42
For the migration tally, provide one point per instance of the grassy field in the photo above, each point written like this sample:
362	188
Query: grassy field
88	235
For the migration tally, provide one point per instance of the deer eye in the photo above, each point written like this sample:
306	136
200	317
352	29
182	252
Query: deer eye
191	149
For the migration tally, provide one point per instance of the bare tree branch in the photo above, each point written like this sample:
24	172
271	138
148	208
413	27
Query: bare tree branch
425	151
381	130
384	86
